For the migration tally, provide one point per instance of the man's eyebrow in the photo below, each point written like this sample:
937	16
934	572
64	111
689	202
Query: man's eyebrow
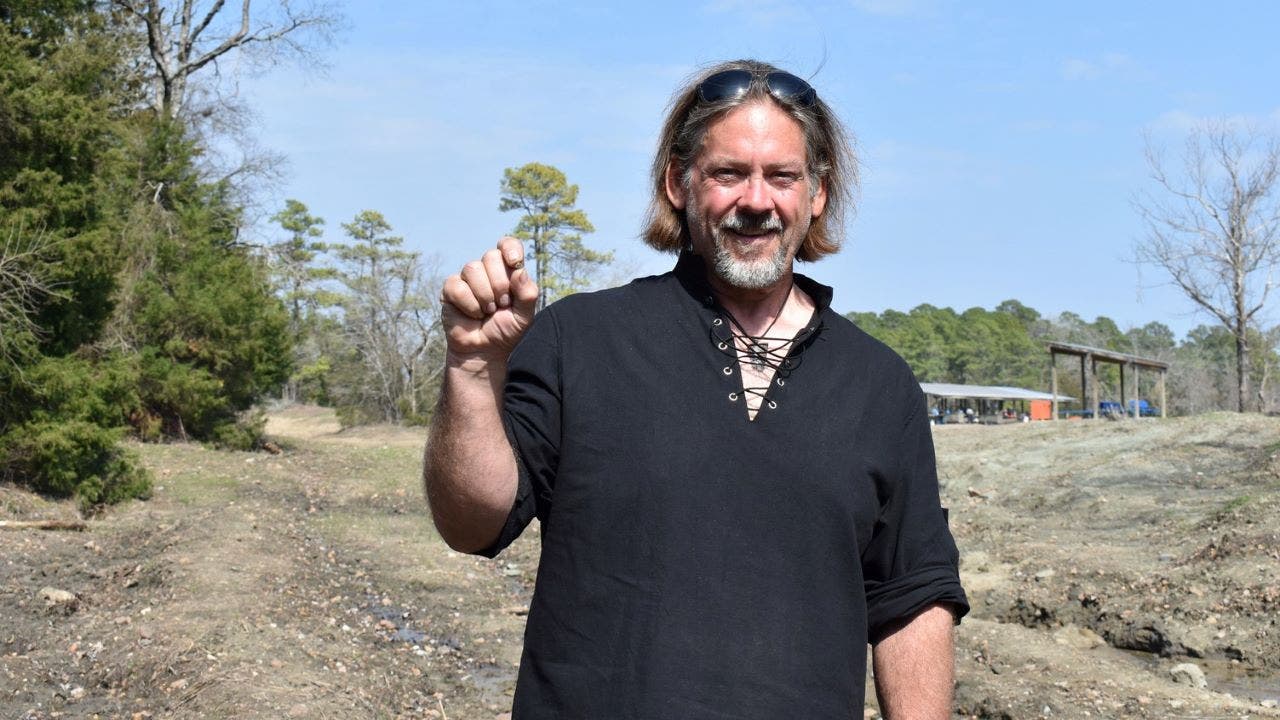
722	160
732	161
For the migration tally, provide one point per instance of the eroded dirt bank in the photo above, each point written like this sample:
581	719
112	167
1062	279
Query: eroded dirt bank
1100	557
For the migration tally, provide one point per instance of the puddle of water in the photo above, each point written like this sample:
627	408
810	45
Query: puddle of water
411	636
1223	676
1227	677
497	685
397	616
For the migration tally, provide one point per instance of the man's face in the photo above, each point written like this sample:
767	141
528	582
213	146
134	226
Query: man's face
749	198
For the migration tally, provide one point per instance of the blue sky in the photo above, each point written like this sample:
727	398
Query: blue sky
1001	143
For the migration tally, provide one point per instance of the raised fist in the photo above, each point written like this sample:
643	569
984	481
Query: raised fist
488	306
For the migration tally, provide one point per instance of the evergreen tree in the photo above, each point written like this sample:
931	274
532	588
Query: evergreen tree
552	226
161	322
390	327
299	281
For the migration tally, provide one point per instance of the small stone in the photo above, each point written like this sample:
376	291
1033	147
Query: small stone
298	711
1078	637
77	692
59	599
1269	703
1045	574
1188	674
179	684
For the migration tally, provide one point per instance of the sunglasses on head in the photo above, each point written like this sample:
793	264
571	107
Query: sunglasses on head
735	83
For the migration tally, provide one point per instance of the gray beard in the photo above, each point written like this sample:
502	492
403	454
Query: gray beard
757	275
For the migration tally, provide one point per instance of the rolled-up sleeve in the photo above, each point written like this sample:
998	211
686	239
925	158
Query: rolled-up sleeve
531	418
912	561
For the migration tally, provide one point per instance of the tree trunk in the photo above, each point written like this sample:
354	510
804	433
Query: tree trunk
1242	367
43	525
538	257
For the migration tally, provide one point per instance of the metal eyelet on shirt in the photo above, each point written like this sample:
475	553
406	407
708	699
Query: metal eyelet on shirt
733	397
727	370
773	405
717	322
723	346
781	382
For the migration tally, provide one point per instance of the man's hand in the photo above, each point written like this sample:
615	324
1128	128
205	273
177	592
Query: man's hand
488	306
469	469
914	667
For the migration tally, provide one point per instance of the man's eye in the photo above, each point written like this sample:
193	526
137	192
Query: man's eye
785	178
725	174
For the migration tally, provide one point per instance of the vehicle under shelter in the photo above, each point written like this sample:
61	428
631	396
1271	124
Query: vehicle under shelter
952	403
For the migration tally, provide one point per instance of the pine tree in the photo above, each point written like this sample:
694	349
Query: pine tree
552	226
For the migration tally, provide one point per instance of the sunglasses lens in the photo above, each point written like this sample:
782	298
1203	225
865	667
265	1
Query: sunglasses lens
725	85
735	83
789	87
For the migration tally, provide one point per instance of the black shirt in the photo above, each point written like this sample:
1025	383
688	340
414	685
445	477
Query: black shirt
695	563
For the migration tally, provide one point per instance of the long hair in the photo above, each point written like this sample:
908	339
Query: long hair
829	149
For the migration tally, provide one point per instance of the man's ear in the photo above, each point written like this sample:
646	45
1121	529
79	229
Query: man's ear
819	198
675	185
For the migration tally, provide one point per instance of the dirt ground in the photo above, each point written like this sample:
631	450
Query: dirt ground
1102	558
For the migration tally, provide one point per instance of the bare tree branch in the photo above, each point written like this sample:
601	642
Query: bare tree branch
1221	231
180	46
24	284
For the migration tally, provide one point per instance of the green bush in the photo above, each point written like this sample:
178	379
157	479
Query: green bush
246	433
72	459
102	391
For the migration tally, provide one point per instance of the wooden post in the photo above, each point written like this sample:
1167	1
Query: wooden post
1053	382
1137	391
1093	385
1124	409
1084	387
1163	402
43	525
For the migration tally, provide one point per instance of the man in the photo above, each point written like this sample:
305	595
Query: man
736	486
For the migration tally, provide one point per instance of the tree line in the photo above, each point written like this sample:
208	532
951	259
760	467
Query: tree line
1007	346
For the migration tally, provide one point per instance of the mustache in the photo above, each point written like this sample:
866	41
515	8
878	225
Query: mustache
751	224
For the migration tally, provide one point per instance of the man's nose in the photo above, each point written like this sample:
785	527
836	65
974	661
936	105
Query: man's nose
756	197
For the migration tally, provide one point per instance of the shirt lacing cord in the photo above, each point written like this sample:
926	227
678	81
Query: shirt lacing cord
759	350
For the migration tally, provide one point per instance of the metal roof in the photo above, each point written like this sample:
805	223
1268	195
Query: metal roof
987	392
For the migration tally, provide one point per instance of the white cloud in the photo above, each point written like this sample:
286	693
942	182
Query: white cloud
1181	121
1110	63
1077	69
758	12
892	167
897	8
